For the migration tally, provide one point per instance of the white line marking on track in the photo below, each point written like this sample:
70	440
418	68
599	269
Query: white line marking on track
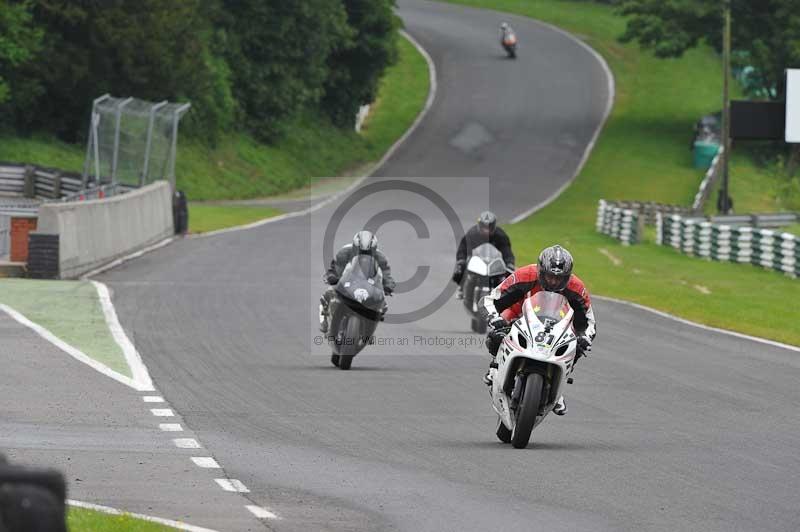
170	427
186	443
231	484
261	512
75	353
138	369
433	89
700	325
113	511
162	412
205	462
153	399
589	147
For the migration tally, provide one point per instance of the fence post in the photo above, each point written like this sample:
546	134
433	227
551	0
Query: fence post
116	138
149	141
92	141
29	185
174	148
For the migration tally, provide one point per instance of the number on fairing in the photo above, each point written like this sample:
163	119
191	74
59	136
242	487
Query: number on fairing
542	336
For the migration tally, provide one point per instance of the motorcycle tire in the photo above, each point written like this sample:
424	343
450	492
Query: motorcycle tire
503	433
345	361
335	359
528	410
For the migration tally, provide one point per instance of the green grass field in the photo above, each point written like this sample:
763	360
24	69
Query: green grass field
82	520
643	154
70	310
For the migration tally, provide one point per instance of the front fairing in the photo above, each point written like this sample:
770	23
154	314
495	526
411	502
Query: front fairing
536	343
361	283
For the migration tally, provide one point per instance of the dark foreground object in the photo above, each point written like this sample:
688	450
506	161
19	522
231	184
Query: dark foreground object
31	500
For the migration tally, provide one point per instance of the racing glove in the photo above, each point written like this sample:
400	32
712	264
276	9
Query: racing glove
458	272
498	322
331	278
584	345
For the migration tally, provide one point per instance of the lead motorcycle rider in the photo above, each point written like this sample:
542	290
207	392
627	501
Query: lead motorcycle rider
553	273
364	243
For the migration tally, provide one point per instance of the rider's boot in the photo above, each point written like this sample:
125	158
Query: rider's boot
561	407
323	315
488	379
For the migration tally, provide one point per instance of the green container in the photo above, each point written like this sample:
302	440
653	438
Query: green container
704	153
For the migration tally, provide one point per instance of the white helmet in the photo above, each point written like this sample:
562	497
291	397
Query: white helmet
504	26
365	243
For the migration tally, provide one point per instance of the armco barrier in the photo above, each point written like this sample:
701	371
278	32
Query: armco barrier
702	238
623	224
92	233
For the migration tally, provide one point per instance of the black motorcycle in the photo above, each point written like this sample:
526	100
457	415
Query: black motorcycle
356	310
485	270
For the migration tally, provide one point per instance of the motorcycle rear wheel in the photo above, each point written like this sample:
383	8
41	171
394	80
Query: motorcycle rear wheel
528	410
478	325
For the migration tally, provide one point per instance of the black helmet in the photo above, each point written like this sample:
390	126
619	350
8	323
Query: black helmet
555	268
487	222
365	243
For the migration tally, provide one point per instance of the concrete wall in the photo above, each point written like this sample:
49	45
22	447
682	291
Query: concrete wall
95	232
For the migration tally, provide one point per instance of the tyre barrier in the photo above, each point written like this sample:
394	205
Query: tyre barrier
617	222
770	249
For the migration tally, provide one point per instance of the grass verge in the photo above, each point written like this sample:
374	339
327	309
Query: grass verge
205	217
82	520
643	154
70	310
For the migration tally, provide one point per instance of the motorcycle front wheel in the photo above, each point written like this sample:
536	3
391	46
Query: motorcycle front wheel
345	361
528	410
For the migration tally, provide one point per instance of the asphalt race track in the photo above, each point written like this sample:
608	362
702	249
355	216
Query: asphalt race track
671	427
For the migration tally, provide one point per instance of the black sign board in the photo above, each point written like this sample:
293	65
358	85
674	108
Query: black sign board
758	120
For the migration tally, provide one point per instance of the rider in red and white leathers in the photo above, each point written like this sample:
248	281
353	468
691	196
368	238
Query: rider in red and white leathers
553	273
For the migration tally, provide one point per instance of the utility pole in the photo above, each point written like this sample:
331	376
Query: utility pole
724	201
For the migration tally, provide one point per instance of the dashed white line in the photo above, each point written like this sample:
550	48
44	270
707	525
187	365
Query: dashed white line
186	443
153	399
205	462
170	427
162	412
260	512
231	484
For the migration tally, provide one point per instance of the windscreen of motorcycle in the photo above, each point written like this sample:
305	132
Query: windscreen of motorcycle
491	261
547	308
362	282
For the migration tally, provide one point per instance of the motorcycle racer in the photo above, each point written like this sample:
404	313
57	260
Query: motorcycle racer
552	273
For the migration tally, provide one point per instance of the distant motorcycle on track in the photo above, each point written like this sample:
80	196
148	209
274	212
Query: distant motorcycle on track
509	42
356	309
533	363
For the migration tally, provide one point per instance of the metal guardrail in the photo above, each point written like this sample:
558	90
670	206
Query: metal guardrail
700	237
626	225
32	181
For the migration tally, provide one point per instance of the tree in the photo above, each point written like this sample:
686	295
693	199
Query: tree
150	49
766	34
356	69
19	41
278	52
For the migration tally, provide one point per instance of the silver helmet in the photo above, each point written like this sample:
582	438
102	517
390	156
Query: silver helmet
487	222
555	268
365	243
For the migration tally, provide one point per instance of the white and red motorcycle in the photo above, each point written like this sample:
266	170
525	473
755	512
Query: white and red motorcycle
533	364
